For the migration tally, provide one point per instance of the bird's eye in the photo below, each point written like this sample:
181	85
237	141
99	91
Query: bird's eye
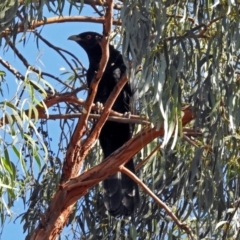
88	37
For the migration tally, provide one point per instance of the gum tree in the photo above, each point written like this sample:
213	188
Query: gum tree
182	59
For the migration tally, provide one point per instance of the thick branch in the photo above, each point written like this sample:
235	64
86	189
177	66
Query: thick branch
113	96
74	157
75	188
58	212
123	154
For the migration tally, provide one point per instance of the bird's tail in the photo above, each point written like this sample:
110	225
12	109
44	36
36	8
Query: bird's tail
121	195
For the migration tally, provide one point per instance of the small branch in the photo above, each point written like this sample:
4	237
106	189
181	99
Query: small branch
27	65
148	157
10	68
104	116
132	120
203	29
61	19
70	97
180	16
191	132
58	50
50	101
189	140
169	212
101	3
196	144
117	89
96	10
186	132
76	154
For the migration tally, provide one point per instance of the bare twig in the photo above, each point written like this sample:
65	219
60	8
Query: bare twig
181	16
148	157
27	65
70	97
10	68
96	9
191	132
111	118
58	50
181	225
189	140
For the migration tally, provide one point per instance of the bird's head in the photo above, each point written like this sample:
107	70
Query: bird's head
87	40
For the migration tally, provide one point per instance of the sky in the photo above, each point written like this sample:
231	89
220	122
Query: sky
49	61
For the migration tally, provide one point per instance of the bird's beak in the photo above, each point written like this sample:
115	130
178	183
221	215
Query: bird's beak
74	38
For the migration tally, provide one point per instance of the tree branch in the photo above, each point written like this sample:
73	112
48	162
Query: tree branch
148	157
76	153
57	215
10	68
169	212
61	19
70	97
133	119
27	65
69	192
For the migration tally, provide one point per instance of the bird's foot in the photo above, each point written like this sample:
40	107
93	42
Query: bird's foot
99	107
127	114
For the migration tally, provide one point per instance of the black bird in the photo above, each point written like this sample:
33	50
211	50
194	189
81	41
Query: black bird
121	194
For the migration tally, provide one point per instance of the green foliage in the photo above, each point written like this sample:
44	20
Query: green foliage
19	138
189	52
8	10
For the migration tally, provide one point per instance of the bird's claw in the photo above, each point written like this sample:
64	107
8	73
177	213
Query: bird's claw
99	107
127	114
